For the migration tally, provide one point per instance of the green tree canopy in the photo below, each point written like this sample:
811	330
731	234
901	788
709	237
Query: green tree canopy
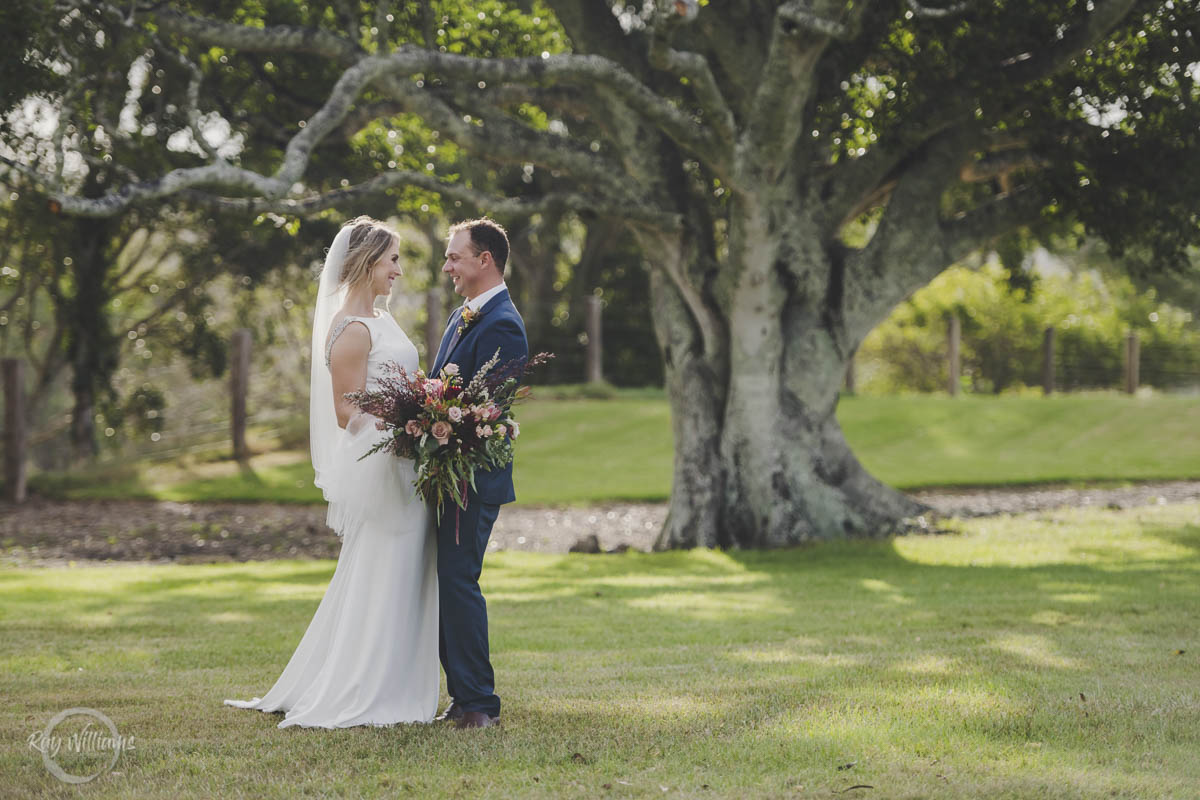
741	143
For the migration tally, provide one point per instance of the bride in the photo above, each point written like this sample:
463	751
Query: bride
370	654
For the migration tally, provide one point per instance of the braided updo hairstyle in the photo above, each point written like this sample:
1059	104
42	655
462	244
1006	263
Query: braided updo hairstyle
369	240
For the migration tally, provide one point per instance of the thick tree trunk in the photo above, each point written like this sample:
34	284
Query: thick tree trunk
792	478
83	427
535	250
760	458
746	476
92	347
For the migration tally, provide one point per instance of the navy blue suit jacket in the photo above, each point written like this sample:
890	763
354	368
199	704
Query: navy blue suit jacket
499	326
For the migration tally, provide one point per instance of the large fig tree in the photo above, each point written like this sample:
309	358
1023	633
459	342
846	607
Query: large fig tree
790	170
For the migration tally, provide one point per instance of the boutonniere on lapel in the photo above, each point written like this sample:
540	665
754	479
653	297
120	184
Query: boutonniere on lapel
468	319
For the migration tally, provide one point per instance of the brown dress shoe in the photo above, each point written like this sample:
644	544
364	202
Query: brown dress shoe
453	713
476	719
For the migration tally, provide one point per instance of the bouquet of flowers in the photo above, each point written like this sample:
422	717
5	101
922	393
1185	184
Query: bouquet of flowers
448	429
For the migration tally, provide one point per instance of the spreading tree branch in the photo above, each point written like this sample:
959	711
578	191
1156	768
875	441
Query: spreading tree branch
801	14
398	179
511	140
932	12
592	28
502	139
518	142
247	39
1102	18
856	185
588	70
801	31
946	242
967	232
915	205
192	111
930	246
877	276
695	69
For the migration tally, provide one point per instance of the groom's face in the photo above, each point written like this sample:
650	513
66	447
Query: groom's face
466	269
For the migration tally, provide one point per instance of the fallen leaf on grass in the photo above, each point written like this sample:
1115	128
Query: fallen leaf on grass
845	767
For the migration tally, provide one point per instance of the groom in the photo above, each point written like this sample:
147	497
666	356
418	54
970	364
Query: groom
476	253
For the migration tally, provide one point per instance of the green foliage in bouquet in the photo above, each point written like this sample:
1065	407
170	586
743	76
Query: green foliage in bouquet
451	431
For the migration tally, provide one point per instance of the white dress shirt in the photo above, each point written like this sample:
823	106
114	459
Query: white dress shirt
478	301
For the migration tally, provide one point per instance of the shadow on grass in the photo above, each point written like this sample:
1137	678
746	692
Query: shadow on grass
834	591
857	607
778	666
1186	536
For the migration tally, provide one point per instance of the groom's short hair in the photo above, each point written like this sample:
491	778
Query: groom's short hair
487	235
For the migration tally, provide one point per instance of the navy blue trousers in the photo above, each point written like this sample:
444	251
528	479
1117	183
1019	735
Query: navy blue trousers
463	628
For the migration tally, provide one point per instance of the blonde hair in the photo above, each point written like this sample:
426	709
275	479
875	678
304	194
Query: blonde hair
369	240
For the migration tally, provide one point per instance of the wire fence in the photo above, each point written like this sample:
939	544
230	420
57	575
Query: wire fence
1056	363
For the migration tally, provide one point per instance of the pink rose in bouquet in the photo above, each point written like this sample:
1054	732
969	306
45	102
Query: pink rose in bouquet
434	388
449	429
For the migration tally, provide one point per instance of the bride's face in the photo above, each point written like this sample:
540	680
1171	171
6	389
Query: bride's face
386	270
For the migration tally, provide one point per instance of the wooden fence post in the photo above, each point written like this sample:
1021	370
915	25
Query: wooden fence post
15	435
1048	361
239	383
1132	357
595	369
955	340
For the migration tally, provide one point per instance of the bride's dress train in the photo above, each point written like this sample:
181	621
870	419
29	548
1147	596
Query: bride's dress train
370	654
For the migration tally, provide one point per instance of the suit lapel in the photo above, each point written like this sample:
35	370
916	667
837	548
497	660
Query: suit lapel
451	339
488	307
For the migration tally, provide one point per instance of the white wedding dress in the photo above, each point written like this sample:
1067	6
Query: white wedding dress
370	654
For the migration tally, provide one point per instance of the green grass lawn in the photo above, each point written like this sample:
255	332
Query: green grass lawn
977	440
1050	656
580	451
